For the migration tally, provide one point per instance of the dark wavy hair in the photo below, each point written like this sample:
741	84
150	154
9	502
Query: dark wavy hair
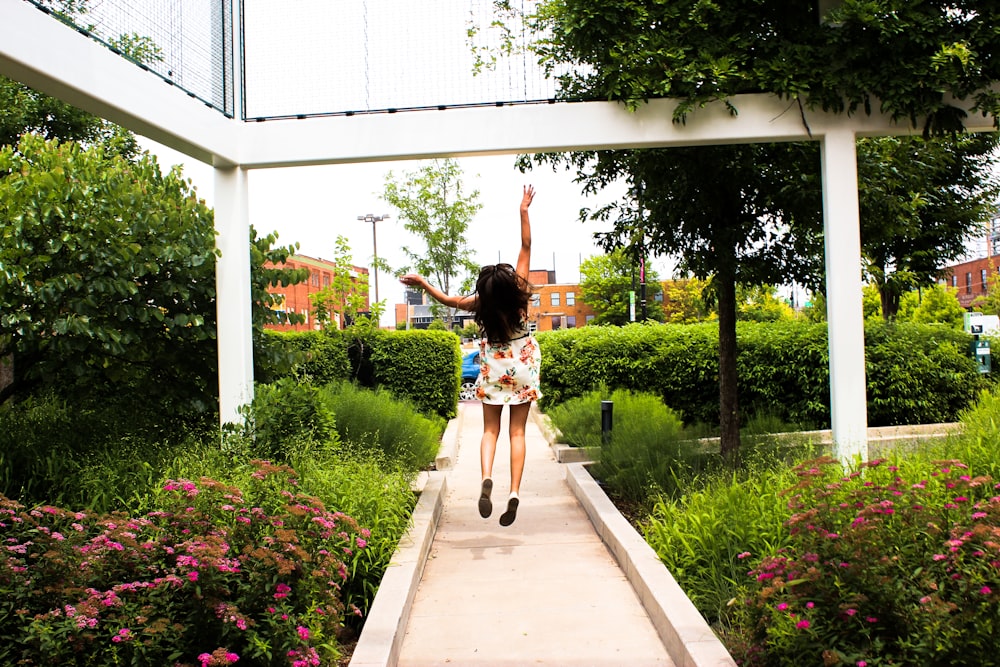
501	302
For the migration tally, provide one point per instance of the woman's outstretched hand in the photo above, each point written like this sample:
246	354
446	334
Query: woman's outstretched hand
412	279
529	194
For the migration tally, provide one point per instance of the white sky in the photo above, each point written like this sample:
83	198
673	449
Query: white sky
312	205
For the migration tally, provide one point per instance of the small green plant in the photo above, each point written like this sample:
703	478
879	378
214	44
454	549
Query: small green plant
286	413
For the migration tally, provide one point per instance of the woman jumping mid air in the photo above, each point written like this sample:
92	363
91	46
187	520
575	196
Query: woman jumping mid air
509	358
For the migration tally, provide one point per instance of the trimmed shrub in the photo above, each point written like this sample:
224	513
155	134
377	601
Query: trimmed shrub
422	366
915	373
319	357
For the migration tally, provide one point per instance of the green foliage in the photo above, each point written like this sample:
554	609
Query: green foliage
605	283
377	421
921	201
98	452
109	273
285	412
647	452
378	496
317	357
435	208
923	585
939	305
250	573
927	596
919	374
915	373
906	56
704	534
424	367
347	294
761	304
684	302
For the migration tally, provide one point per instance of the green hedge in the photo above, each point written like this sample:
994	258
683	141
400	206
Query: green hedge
915	373
421	366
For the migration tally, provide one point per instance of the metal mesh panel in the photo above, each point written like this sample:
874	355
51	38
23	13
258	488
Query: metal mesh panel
186	42
318	57
312	57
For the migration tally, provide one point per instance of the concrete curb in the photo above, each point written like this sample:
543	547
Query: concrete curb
682	629
382	636
448	451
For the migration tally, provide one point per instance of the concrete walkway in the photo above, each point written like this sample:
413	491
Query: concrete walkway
570	583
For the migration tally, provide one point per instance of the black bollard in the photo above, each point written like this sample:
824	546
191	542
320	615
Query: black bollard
606	409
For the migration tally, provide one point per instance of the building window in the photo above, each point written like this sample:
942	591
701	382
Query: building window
305	316
968	282
555	298
589	319
314	278
982	276
536	300
556	322
954	282
571	321
326	280
570	298
658	297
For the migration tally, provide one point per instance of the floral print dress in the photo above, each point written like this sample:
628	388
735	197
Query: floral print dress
509	372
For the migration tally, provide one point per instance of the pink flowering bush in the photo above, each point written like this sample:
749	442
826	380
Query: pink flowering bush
214	576
879	569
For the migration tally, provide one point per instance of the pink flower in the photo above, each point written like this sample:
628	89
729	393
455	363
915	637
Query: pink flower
743	555
303	633
851	612
985	590
802	625
861	663
782	606
232	657
810	605
871	619
193	575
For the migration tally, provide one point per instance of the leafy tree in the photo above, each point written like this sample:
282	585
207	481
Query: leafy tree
871	302
605	283
921	200
683	302
346	296
732	215
939	304
908	57
434	207
743	214
109	271
109	276
761	304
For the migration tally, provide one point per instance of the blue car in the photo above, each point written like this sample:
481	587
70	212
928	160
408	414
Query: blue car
470	371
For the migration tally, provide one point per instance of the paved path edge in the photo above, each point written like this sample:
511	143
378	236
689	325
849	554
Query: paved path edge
686	634
382	635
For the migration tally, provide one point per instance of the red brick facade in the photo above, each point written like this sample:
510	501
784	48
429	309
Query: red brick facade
972	279
296	297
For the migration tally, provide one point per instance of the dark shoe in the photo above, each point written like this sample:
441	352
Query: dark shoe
508	517
485	505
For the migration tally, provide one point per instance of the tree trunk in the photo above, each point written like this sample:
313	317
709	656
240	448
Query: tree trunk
729	410
889	296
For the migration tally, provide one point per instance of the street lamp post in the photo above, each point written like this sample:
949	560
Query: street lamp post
373	219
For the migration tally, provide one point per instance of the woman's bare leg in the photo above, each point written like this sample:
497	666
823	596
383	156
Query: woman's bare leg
487	452
518	420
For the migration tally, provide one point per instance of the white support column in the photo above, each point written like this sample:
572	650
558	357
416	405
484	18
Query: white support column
841	227
232	284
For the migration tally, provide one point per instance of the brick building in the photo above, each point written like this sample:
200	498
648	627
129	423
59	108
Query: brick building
295	298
